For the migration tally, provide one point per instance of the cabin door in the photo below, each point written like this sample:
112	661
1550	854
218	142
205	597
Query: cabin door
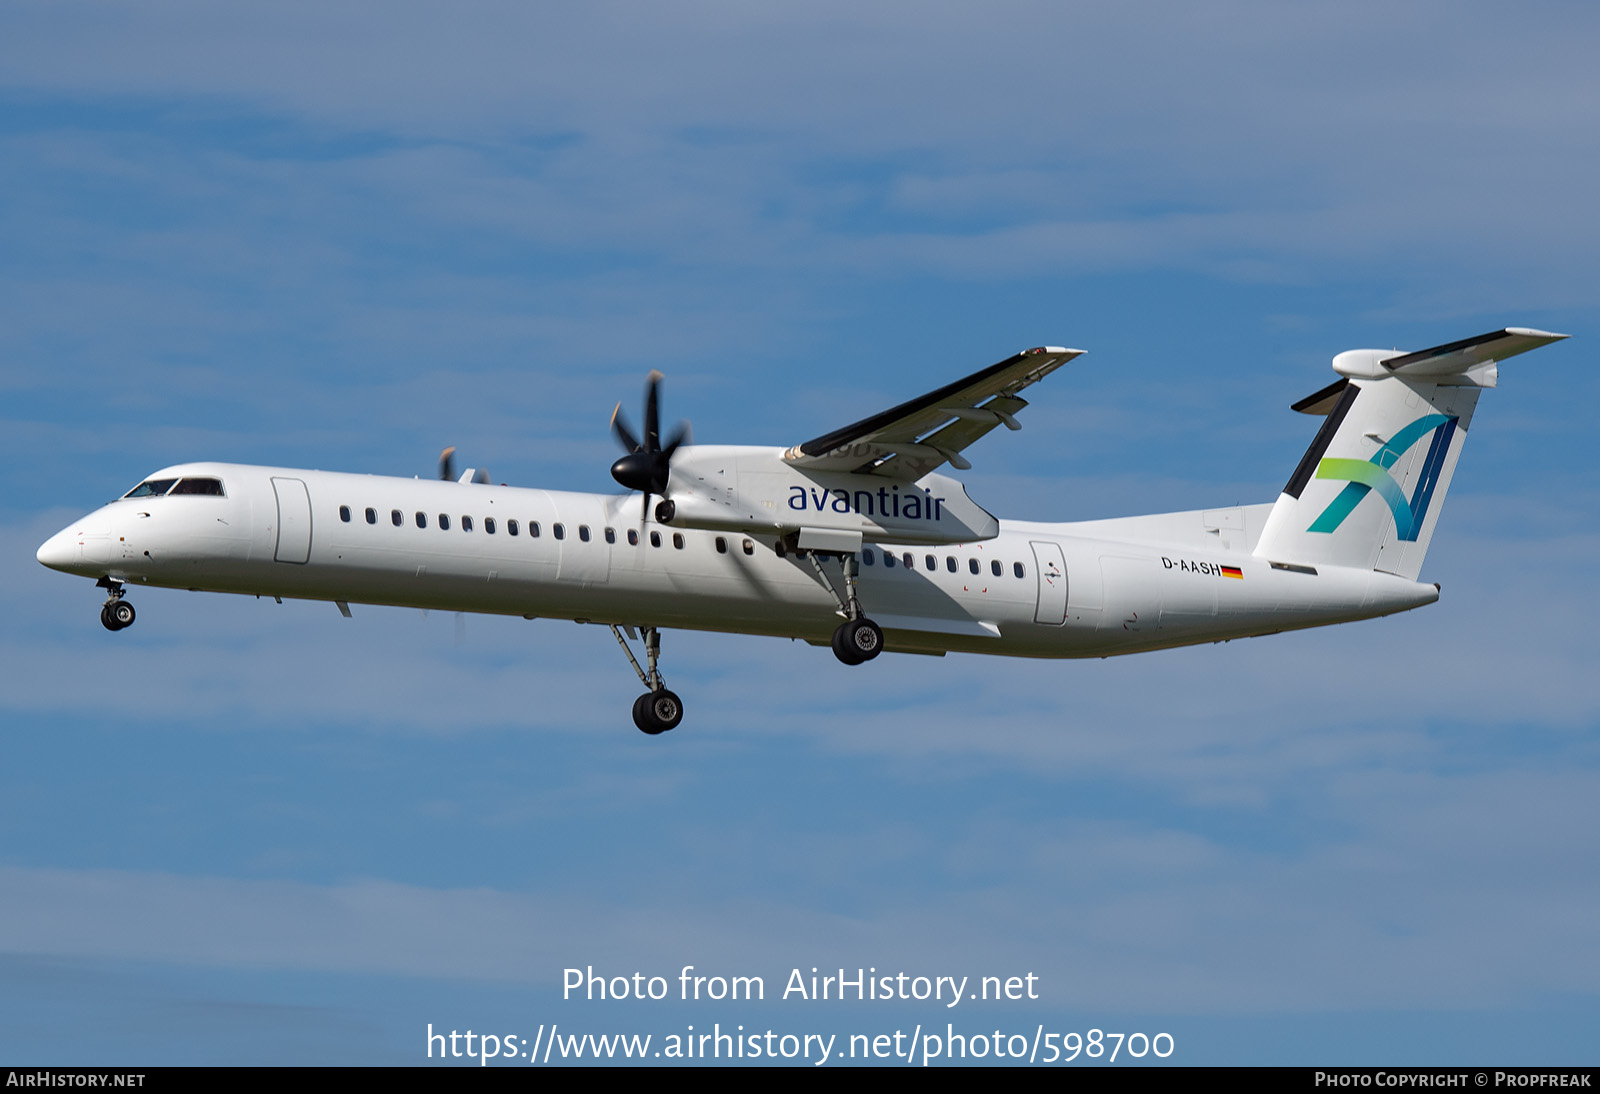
294	521
1051	567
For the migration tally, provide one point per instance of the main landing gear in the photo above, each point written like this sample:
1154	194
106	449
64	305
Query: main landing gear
858	639
658	709
117	613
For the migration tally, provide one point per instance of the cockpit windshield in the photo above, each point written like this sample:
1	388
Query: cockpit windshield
155	488
150	488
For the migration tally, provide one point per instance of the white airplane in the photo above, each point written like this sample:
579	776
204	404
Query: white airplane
804	542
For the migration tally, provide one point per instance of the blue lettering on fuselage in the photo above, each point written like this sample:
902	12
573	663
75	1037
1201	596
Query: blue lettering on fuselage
886	501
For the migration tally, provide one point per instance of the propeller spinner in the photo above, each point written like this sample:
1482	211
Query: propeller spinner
647	465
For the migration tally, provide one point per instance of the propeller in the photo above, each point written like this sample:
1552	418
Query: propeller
647	466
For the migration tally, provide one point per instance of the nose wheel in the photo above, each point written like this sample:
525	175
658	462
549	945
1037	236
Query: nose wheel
117	613
658	709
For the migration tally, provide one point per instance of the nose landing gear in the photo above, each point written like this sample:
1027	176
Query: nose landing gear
658	709
116	613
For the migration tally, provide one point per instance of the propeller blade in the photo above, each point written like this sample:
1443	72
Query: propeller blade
681	434
447	464
619	427
652	412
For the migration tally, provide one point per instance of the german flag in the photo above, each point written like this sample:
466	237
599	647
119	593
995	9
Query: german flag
1233	571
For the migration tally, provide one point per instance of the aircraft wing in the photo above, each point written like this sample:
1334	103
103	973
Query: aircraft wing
908	441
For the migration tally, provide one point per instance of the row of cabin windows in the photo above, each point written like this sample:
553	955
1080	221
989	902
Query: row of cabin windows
513	528
559	531
931	563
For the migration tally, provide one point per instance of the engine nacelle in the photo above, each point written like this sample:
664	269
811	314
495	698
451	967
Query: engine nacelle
737	489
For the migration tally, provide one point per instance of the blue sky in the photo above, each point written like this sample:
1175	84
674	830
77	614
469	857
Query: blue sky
346	235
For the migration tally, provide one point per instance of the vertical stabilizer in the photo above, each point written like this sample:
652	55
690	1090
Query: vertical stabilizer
1368	491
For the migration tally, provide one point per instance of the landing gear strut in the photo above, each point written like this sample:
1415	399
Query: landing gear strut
117	613
858	639
658	709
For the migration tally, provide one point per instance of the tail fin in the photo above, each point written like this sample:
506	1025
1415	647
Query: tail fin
1368	491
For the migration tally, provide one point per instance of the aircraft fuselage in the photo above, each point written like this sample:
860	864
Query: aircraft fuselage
1087	589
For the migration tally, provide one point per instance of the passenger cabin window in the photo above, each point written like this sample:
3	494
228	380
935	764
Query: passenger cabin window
150	488
888	560
950	563
422	520
722	546
655	539
209	487
995	568
344	513
972	564
633	537
1016	568
396	517
749	547
866	556
559	531
611	535
533	529
372	515
583	532
930	562
677	540
511	527
488	526
444	522
466	524
907	561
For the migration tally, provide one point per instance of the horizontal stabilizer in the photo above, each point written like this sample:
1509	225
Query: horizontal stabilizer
1467	363
1456	357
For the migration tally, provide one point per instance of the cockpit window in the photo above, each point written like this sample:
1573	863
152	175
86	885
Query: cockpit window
150	488
212	487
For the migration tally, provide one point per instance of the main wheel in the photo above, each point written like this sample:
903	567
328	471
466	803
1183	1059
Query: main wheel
842	645
641	715
857	640
657	711
866	639
121	612
107	621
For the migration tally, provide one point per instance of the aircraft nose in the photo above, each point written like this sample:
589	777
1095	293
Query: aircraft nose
61	551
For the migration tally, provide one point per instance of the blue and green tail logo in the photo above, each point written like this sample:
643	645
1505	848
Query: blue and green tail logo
1365	475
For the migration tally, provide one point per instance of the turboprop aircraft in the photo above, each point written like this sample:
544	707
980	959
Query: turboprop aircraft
854	539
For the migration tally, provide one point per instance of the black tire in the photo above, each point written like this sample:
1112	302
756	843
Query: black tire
642	716
865	639
844	643
107	621
121	612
